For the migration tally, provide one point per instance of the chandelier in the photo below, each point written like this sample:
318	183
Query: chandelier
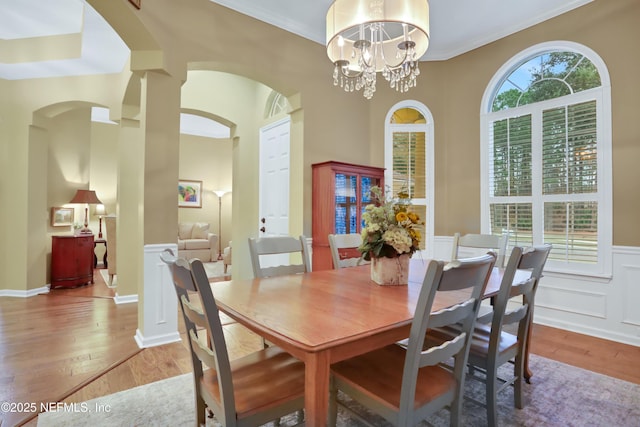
365	37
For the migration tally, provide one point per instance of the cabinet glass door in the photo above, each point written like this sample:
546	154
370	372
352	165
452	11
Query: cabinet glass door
346	204
366	182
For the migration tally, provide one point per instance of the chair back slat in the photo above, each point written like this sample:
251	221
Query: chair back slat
195	314
435	355
202	350
278	245
481	241
451	315
513	316
344	250
282	270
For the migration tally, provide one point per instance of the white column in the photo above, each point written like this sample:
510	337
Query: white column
159	304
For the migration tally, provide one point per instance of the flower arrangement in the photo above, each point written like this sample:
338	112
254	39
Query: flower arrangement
390	227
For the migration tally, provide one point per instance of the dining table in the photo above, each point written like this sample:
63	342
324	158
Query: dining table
323	317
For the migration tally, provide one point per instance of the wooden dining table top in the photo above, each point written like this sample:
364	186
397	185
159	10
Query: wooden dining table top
326	316
321	309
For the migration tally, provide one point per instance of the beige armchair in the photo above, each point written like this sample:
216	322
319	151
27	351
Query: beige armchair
195	241
110	225
226	257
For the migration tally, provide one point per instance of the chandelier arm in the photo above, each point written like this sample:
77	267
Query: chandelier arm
397	66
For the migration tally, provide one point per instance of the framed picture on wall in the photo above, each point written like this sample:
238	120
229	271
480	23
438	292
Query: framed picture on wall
61	217
189	194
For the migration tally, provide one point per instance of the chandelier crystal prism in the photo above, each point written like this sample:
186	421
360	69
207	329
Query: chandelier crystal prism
366	37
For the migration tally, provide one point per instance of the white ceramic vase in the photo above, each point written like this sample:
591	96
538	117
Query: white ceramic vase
390	271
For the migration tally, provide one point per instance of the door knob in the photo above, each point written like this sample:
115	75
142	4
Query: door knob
262	229
262	220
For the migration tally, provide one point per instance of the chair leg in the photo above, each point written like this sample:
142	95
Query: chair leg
518	371
200	410
492	389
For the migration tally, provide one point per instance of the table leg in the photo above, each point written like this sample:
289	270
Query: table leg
316	391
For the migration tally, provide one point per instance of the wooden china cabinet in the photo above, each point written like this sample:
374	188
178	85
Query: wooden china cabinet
341	191
71	260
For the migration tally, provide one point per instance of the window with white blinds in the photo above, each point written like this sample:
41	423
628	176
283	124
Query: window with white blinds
546	171
409	172
409	161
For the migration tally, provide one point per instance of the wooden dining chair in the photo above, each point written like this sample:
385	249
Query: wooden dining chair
344	250
279	245
406	385
250	391
481	241
492	346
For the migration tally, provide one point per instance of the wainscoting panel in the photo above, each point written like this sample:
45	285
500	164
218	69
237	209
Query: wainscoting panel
553	296
631	292
159	301
605	308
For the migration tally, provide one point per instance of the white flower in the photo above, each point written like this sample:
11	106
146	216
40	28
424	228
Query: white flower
399	239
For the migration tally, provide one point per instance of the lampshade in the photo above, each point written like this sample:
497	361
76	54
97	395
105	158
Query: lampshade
221	193
369	36
100	209
85	196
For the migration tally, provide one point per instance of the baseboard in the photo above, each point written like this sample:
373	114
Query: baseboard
24	294
145	342
125	299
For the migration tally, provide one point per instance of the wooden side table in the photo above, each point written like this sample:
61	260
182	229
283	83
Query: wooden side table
95	257
72	260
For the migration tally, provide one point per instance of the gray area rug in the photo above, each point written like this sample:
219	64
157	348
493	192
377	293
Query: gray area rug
560	395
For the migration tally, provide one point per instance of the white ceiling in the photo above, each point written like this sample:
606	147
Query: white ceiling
457	26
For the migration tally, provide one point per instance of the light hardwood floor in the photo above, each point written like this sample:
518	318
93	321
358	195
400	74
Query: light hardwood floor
72	345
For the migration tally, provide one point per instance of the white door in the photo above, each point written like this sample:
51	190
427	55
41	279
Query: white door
274	184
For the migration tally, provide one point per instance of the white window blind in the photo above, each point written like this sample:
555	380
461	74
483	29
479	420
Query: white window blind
409	173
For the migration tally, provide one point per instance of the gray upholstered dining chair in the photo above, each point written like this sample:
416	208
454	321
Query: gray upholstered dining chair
279	245
481	241
344	250
406	385
491	346
250	391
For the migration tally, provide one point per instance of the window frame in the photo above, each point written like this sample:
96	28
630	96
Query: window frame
602	96
428	129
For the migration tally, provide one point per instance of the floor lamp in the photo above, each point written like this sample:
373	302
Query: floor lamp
220	193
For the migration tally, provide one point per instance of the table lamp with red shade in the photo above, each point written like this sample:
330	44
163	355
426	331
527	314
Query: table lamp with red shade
88	197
